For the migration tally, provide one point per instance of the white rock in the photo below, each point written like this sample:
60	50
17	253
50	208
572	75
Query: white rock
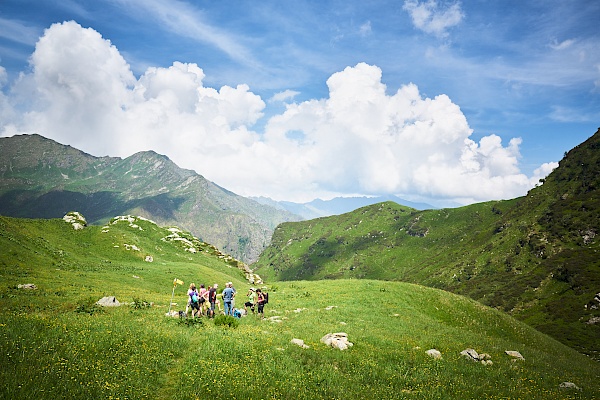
109	301
435	354
299	342
515	354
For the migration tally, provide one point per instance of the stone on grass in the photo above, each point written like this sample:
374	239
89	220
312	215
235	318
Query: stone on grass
569	385
515	354
470	354
435	354
29	286
337	340
108	301
299	342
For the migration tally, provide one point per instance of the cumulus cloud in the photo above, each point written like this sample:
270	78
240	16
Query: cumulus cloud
359	139
433	17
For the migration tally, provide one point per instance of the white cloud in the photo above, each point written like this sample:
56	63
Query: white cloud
181	18
359	139
431	17
17	31
283	96
543	171
365	29
562	45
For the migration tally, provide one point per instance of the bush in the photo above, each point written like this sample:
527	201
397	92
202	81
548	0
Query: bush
227	320
138	303
191	322
89	306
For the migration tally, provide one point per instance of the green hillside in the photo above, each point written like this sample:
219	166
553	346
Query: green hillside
535	257
57	344
40	178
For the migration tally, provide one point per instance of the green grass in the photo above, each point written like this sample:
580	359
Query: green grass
129	353
55	344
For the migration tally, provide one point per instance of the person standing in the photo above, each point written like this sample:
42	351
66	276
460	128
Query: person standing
212	299
234	293
261	303
251	300
193	300
203	294
228	295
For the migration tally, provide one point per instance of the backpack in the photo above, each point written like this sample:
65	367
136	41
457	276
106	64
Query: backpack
266	297
194	298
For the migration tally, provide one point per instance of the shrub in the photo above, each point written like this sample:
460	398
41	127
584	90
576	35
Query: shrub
227	320
192	322
89	306
138	303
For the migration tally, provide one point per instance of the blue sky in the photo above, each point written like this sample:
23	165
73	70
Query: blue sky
443	101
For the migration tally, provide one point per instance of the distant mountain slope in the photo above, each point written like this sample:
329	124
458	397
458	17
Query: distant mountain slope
40	178
536	257
339	205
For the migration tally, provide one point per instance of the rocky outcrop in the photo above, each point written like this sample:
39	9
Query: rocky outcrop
337	340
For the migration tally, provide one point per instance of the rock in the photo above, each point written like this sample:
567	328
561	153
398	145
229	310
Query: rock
435	354
487	362
75	219
337	340
109	301
515	354
593	321
569	385
29	286
149	259
470	354
299	342
328	308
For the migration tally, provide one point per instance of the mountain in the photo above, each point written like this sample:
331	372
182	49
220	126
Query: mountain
535	257
338	205
40	178
58	343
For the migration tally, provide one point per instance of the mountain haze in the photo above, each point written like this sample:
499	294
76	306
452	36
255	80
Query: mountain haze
338	205
40	178
535	257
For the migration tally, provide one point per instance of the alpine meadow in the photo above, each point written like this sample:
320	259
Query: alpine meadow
493	300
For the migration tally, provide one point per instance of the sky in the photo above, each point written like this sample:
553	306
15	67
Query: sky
446	102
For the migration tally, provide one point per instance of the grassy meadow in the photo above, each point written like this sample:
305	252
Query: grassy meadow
55	343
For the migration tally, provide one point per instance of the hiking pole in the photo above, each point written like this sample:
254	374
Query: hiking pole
175	283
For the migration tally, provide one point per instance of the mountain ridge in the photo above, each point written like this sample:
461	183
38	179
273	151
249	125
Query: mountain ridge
40	178
318	208
534	256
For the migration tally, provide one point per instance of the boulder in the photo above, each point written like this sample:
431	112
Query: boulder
435	354
337	340
109	301
470	354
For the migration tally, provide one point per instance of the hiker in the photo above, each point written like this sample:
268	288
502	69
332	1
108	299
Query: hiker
228	295
203	295
193	300
251	300
261	303
212	299
234	293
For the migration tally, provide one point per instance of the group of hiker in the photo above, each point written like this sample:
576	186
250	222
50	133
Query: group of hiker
205	301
